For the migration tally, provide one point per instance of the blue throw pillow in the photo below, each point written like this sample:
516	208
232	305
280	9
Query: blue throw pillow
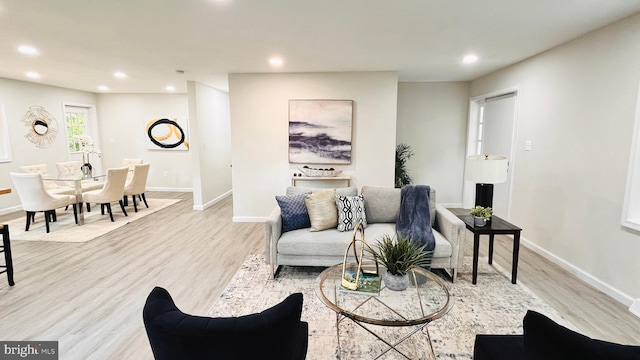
294	212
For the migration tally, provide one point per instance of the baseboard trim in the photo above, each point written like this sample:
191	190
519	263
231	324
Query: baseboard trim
10	209
169	189
213	202
616	294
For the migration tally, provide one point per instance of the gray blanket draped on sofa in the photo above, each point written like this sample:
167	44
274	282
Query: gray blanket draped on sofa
414	219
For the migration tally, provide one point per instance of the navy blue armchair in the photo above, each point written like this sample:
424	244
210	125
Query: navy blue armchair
275	333
544	339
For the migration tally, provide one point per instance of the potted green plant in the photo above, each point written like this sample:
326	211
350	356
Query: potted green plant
481	215
403	153
398	256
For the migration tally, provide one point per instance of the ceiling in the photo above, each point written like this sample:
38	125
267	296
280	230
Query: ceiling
81	43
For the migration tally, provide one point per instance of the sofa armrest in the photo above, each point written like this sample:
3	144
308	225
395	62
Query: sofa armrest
272	232
453	229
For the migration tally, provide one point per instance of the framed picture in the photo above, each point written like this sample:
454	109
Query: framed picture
320	131
167	134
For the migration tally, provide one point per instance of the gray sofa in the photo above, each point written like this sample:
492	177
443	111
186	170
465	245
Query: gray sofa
303	247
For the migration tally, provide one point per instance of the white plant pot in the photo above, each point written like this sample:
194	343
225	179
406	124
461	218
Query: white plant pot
479	221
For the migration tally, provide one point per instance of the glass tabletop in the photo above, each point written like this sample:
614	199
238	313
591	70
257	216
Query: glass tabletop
426	299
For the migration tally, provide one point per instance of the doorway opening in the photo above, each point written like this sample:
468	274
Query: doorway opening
492	131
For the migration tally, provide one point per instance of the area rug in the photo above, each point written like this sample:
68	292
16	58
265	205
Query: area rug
493	306
95	224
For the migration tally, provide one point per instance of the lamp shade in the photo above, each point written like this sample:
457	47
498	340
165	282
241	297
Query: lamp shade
486	169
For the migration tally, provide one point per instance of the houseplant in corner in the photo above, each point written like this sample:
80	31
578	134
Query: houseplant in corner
481	215
398	256
403	153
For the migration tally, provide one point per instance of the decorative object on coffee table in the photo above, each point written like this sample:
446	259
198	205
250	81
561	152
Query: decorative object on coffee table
398	256
481	215
351	278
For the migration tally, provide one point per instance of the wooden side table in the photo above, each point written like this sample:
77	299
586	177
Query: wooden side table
495	226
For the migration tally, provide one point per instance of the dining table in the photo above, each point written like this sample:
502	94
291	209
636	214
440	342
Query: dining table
77	185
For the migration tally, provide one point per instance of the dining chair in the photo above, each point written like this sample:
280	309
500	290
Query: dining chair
43	170
71	170
35	198
130	164
112	191
137	185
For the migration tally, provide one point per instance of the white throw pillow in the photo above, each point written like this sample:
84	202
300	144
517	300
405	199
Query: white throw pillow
350	212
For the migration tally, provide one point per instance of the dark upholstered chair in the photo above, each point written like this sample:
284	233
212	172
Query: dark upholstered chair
276	333
544	339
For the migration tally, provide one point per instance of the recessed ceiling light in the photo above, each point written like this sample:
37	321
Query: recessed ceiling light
103	88
470	59
276	61
32	75
170	88
28	50
119	74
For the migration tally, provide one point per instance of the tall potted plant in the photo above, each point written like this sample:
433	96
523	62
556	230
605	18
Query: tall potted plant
403	153
398	256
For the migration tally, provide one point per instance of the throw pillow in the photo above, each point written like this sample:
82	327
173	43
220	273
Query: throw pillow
322	210
294	213
382	205
350	212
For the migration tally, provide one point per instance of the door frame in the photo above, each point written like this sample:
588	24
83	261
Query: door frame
475	103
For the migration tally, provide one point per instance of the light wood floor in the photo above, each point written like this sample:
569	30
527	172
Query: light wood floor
90	296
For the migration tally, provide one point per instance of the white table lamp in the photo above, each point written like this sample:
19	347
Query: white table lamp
486	170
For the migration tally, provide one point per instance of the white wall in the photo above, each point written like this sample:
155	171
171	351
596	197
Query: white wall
259	131
432	119
577	105
122	119
210	143
17	97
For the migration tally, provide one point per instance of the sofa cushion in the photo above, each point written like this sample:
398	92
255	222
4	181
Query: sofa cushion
545	339
322	209
381	205
350	212
294	213
332	242
348	191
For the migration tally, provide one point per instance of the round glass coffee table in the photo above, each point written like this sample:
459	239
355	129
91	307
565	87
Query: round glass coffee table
427	299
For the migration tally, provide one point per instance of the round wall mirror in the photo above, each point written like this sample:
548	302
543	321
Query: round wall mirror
40	127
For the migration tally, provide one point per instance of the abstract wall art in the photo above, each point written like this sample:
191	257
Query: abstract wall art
320	131
166	134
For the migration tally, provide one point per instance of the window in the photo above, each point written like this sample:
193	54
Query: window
76	119
480	131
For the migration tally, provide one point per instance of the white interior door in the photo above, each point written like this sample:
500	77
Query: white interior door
492	131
